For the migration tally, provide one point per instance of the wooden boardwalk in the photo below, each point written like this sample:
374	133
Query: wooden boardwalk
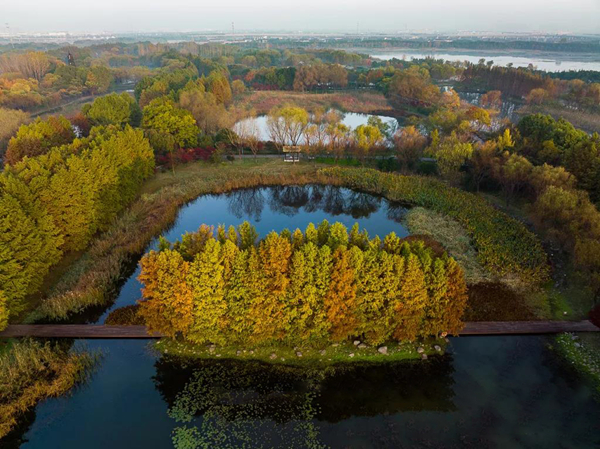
103	331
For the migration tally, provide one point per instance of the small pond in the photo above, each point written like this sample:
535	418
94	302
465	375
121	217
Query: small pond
486	392
350	119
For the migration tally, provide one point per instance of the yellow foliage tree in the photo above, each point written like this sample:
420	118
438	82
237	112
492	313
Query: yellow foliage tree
167	307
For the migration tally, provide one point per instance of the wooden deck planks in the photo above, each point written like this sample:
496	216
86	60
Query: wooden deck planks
112	332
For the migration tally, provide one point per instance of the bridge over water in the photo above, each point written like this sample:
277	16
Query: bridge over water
104	331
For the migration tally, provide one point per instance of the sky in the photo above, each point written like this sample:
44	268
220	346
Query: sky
119	16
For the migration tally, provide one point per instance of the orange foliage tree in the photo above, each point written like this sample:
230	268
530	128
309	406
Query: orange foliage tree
308	288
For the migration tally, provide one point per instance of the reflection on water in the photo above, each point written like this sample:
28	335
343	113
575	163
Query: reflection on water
489	392
250	402
294	200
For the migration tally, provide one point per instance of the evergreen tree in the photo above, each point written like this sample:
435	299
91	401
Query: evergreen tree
437	284
206	282
274	254
455	298
311	235
248	235
3	311
168	305
239	295
338	236
340	302
411	301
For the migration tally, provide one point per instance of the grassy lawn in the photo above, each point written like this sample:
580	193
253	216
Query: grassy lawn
333	354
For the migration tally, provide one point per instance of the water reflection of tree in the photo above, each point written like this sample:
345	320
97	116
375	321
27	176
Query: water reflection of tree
371	390
317	192
241	404
289	199
243	400
246	202
396	212
361	205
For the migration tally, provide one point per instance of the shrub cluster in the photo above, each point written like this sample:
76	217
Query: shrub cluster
311	287
504	245
56	202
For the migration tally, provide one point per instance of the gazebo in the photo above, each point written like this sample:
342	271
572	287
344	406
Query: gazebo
291	153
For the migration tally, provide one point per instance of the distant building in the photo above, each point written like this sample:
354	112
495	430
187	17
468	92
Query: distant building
70	59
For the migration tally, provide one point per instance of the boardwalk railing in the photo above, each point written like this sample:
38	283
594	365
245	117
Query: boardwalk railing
103	331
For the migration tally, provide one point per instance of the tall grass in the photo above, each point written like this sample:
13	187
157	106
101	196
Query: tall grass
505	247
31	371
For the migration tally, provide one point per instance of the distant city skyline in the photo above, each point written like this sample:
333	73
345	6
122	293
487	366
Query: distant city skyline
113	16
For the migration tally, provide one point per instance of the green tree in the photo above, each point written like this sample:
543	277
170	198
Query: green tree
162	115
3	311
168	305
98	79
114	109
367	139
38	138
206	282
10	121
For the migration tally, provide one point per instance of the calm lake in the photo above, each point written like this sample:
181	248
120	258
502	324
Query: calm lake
486	392
350	119
548	63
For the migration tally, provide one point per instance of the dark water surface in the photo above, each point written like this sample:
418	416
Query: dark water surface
487	392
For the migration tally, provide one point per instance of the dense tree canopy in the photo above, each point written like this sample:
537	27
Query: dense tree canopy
163	116
38	138
55	202
114	109
311	287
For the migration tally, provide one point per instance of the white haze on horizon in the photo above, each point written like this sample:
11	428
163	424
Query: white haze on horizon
119	16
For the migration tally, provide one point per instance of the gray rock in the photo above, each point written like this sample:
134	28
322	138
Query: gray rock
299	354
323	352
335	345
577	345
351	355
437	348
420	350
382	350
362	346
273	356
356	342
424	356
